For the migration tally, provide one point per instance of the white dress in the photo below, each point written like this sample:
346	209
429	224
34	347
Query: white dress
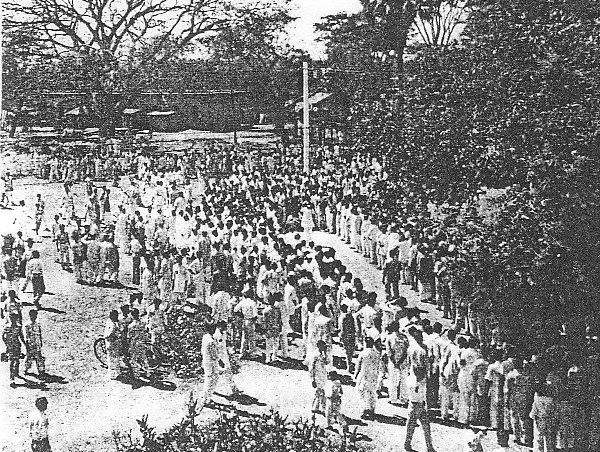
307	222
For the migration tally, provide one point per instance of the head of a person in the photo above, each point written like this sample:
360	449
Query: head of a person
393	327
113	315
437	328
372	299
321	346
33	314
473	342
41	403
135	313
222	325
417	333
451	335
369	342
323	310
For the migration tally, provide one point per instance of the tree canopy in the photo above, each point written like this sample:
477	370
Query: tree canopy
515	105
118	48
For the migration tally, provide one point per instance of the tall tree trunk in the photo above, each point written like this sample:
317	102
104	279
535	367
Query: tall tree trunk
403	24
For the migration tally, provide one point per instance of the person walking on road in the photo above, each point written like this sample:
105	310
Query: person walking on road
220	338
418	362
367	371
35	273
210	364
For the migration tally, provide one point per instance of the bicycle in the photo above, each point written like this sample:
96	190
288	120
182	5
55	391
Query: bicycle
157	355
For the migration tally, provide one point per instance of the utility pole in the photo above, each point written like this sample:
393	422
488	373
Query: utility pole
234	117
1	63
305	118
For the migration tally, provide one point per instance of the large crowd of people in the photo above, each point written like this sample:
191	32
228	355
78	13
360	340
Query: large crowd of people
215	228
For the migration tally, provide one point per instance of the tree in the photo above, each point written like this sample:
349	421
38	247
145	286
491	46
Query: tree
437	21
357	70
25	72
396	18
115	42
255	56
515	108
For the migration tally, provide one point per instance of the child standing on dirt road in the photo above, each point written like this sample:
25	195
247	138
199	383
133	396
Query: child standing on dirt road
38	426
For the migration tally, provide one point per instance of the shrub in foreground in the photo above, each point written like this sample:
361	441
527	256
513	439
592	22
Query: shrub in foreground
233	431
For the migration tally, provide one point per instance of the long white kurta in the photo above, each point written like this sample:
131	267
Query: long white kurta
366	381
113	346
210	364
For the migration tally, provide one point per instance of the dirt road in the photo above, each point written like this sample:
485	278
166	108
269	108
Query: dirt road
85	407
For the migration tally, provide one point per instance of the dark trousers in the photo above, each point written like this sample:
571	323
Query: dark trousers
42	445
349	348
136	269
433	390
392	288
39	288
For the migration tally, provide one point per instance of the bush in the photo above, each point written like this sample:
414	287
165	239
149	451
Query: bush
233	431
185	327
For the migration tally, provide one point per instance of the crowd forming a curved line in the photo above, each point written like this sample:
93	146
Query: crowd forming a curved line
233	231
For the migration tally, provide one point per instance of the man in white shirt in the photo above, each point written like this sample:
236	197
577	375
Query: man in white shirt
220	338
396	344
249	309
367	313
434	343
288	307
211	364
416	383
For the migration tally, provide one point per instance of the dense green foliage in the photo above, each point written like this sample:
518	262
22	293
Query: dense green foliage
515	105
